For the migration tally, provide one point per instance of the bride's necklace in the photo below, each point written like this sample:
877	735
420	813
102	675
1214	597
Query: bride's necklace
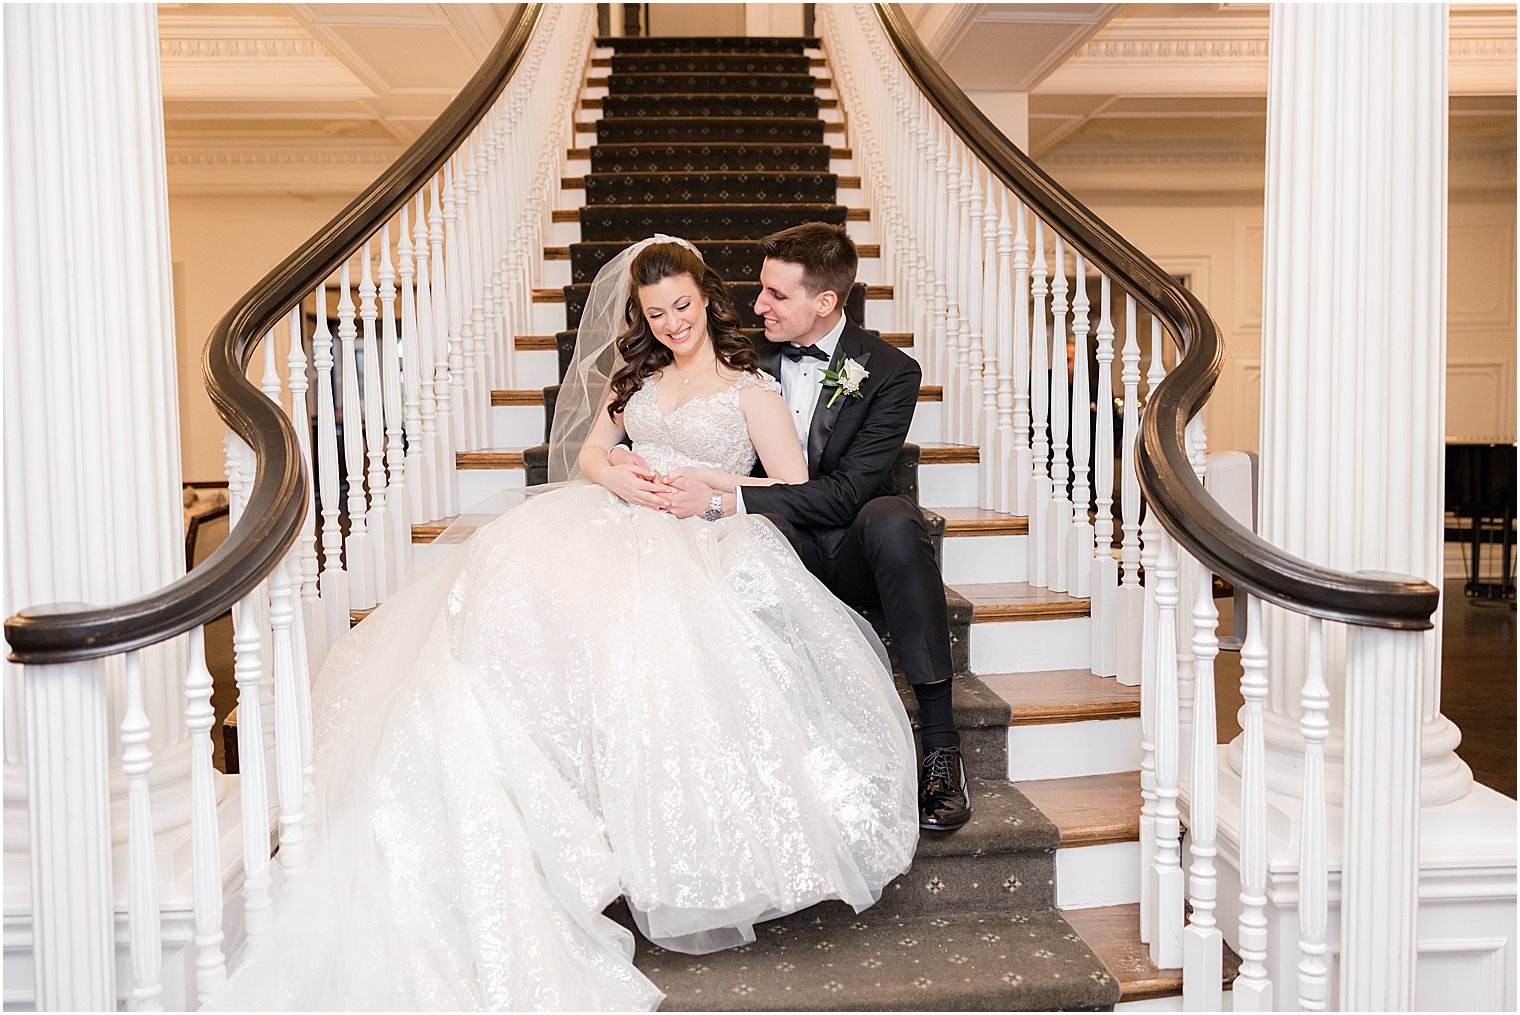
684	378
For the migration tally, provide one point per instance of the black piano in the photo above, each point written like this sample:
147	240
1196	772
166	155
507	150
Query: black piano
1480	490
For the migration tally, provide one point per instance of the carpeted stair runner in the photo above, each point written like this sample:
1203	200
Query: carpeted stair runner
714	156
691	129
973	924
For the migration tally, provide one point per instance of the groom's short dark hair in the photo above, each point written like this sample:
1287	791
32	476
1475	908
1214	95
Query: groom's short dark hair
826	253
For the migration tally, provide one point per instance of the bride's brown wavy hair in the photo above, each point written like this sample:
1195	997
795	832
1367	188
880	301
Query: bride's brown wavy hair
642	353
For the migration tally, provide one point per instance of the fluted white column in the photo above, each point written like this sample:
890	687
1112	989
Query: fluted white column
91	419
1352	429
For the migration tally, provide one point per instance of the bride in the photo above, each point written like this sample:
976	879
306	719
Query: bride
594	699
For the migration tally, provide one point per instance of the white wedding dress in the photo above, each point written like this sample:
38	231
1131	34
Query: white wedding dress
590	700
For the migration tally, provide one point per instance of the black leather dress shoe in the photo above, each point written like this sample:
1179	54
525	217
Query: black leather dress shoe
943	803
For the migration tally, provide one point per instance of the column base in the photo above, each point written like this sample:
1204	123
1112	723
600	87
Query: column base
1467	893
1444	777
176	902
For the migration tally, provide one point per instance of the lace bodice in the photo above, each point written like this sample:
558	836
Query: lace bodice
709	431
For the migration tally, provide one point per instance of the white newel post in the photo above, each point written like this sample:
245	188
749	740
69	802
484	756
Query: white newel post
1351	473
92	479
1353	368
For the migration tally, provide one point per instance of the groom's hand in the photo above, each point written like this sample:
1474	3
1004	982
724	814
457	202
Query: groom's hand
689	497
620	455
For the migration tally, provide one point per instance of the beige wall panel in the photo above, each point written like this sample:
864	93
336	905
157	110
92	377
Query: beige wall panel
221	247
696	19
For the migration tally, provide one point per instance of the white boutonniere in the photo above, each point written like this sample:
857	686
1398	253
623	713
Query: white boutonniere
846	379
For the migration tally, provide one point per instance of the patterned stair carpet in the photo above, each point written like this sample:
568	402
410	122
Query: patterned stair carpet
719	140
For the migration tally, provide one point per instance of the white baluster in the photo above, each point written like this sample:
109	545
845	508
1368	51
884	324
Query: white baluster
995	450
447	487
289	760
248	672
1129	601
378	517
314	622
940	351
142	869
1313	871
334	583
397	497
968	283
1015	312
205	831
949	257
1150	553
1202	943
1058	534
1166	867
1252	989
1039	387
1105	581
357	554
418	476
433	447
1080	545
1188	573
461	352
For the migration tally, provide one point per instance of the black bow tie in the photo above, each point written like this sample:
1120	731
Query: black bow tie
796	352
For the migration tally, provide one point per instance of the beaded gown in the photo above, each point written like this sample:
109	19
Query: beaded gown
589	700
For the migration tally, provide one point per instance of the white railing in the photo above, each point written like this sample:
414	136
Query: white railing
410	382
1006	325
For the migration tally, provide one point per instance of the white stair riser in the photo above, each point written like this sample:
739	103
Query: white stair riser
475	485
536	368
948	485
985	559
1092	876
1066	750
562	234
594	92
1020	646
516	426
549	318
425	555
556	274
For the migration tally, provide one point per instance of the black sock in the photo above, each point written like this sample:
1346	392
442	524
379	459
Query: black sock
936	726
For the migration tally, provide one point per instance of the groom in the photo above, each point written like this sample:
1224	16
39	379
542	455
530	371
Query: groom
869	548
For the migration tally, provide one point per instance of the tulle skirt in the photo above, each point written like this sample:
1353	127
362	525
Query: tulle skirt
588	700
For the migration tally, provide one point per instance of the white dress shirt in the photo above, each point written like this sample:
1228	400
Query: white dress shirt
800	386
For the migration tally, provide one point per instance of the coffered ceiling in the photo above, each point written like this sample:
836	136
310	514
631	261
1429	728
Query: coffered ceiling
286	97
291	98
1116	87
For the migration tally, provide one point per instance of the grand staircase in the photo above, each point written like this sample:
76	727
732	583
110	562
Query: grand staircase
723	141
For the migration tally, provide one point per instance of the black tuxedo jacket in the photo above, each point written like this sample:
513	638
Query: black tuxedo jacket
851	446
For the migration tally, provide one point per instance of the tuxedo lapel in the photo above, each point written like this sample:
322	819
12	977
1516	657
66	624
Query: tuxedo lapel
770	358
824	416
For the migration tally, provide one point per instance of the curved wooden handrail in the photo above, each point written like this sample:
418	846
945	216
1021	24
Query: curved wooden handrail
276	506
1171	487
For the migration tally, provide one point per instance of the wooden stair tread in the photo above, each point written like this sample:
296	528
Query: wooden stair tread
490	458
1057	696
597	103
873	292
1090	810
829	126
938	453
971	521
585	153
563	253
539	343
997	601
1113	933
579	182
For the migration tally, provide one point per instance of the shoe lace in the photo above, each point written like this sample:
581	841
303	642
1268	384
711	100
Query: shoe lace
941	763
